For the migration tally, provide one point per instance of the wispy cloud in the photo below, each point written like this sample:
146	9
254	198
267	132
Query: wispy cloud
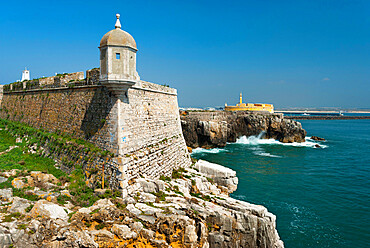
325	79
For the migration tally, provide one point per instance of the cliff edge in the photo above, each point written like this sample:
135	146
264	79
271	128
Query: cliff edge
214	129
191	209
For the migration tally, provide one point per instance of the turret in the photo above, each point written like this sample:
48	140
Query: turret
118	59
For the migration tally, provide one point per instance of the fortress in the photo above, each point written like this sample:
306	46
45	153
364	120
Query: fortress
264	107
136	120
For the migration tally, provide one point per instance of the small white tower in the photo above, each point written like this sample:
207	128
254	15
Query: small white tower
118	59
25	75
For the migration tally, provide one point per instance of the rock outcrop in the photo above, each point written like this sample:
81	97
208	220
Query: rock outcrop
191	209
215	129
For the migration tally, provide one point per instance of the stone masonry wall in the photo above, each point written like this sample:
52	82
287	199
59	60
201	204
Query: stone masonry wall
142	129
150	131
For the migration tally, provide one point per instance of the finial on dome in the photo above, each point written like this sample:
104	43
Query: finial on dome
118	23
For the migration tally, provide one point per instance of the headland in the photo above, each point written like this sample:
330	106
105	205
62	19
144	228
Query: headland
115	168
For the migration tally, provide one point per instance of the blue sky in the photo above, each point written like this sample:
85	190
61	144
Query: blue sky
289	53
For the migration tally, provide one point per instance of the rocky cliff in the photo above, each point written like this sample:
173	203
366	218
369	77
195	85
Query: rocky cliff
190	209
214	129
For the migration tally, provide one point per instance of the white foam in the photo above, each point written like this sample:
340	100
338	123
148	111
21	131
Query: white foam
213	150
257	150
254	140
266	154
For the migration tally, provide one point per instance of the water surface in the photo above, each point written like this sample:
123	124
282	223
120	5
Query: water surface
321	196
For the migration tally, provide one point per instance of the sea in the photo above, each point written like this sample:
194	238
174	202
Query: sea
321	196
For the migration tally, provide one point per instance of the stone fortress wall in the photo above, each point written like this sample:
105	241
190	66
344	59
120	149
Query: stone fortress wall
142	129
137	121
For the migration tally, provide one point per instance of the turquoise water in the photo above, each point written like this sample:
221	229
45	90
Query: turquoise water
321	196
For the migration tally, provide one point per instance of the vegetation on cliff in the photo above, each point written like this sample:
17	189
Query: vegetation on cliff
41	205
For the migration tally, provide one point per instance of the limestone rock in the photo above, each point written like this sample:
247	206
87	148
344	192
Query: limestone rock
133	209
3	179
19	205
137	226
220	174
49	210
103	203
123	231
43	178
148	186
10	173
190	236
6	194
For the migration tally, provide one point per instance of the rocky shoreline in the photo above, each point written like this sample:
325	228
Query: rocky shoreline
191	209
209	129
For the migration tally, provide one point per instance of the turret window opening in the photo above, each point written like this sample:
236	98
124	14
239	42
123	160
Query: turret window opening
118	55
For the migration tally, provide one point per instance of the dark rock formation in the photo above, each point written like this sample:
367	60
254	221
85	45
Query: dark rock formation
317	138
214	129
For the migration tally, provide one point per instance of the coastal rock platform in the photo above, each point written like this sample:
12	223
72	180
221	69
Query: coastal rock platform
209	129
190	209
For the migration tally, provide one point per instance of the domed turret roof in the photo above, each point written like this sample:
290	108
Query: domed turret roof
118	37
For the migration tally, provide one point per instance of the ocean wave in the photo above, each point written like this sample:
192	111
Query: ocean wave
256	140
266	154
213	150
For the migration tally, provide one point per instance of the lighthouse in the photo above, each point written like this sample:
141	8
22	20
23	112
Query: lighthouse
25	75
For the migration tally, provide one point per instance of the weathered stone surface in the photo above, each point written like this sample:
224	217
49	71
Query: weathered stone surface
219	174
215	129
19	205
317	138
3	179
123	231
43	177
103	203
133	210
137	226
48	210
6	194
5	239
141	128
148	186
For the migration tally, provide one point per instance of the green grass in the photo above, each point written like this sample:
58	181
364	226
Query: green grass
10	160
6	140
18	158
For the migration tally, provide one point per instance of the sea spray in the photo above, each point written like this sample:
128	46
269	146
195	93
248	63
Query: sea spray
213	150
258	140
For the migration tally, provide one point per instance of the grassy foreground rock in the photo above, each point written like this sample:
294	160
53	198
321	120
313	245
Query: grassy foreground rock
42	206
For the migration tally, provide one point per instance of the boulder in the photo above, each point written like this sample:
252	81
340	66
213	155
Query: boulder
3	179
317	138
219	174
103	203
190	236
43	178
123	232
48	209
19	205
147	186
11	173
6	194
137	226
131	208
146	197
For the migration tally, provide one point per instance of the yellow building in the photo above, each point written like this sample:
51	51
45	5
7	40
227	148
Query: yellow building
250	106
